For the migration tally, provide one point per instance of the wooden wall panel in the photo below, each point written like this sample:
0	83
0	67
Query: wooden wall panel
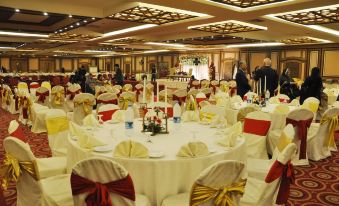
5	62
33	64
256	59
67	64
313	61
330	64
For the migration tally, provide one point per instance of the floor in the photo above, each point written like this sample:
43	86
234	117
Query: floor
315	185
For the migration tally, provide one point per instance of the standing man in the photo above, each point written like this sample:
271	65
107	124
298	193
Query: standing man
271	77
242	82
154	72
119	77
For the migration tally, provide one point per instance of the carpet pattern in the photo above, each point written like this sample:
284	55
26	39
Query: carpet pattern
315	185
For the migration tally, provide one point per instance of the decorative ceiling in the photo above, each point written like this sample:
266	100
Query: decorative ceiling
212	40
313	17
147	14
227	27
126	40
303	40
247	3
71	37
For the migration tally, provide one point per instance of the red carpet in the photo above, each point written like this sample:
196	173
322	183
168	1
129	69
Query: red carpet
316	184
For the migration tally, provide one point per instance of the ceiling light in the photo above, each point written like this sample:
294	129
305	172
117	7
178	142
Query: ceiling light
169	9
85	21
78	23
60	30
155	51
317	39
165	44
229	21
255	45
70	16
17	10
71	26
324	29
7	33
93	18
94	51
45	13
6	47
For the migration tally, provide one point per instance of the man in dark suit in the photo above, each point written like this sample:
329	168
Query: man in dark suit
271	75
242	82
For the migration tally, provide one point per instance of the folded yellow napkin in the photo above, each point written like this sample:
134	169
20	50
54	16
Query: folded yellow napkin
85	139
90	121
193	149
229	141
190	116
237	127
130	148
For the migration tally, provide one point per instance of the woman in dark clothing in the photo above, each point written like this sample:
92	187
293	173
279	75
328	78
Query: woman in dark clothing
287	85
119	77
154	72
313	85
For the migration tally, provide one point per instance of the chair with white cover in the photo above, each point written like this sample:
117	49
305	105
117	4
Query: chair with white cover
83	106
58	97
301	120
106	111
33	86
57	126
256	127
149	92
47	85
9	101
106	98
236	99
312	104
275	189
204	83
242	113
319	146
35	176
25	108
127	88
23	87
258	168
193	91
169	95
72	90
206	91
199	97
195	84
180	96
283	98
38	112
138	88
87	184
125	99
222	182
117	88
233	87
214	85
100	90
336	104
42	96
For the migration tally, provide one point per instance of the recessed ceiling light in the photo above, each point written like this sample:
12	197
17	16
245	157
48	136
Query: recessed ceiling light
85	21
45	13
55	32
60	29
71	26
93	18
78	23
165	44
70	16
17	10
255	45
155	51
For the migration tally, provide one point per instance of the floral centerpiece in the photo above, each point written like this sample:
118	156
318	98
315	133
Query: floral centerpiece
154	123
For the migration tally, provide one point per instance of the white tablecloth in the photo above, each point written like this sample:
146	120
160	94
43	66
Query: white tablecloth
278	121
158	178
172	84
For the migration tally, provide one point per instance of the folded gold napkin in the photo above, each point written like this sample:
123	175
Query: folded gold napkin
231	135
132	149
85	139
193	149
90	121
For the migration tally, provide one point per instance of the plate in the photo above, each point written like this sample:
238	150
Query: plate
156	154
105	148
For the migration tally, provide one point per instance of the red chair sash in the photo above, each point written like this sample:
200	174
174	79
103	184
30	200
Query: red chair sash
169	111
34	86
257	127
16	102
200	99
284	100
138	92
110	101
179	99
214	88
302	127
233	90
98	194
244	98
286	173
72	94
19	133
107	115
42	96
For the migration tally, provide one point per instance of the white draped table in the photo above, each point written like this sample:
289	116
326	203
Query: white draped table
172	84
160	177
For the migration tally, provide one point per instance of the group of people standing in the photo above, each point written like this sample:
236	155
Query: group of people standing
312	87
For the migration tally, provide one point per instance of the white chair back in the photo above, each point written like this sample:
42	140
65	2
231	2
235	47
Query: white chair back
106	111
83	106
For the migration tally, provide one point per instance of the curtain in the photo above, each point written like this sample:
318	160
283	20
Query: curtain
199	72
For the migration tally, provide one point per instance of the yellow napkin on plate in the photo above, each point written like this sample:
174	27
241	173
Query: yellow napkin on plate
132	149
190	116
118	116
230	140
85	139
193	149
90	121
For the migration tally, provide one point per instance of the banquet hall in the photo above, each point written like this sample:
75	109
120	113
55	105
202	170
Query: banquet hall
169	103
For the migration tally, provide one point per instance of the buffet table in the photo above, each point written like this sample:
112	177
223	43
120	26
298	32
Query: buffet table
171	84
164	173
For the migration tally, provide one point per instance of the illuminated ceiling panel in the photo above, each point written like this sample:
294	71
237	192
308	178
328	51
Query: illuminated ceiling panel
228	27
247	3
153	14
69	36
317	16
304	40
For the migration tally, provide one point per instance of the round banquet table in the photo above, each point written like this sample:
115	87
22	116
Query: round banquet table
160	177
278	121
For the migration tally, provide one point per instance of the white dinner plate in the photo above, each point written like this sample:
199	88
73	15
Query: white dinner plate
156	154
105	148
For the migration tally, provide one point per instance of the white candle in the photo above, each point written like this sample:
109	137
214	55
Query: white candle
260	86
254	86
144	92
265	85
165	99
157	91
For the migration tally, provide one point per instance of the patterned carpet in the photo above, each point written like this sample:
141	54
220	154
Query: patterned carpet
316	184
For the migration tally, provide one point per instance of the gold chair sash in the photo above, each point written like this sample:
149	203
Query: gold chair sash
87	105
224	88
283	142
191	105
58	97
149	91
123	102
222	196
56	125
12	169
333	125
